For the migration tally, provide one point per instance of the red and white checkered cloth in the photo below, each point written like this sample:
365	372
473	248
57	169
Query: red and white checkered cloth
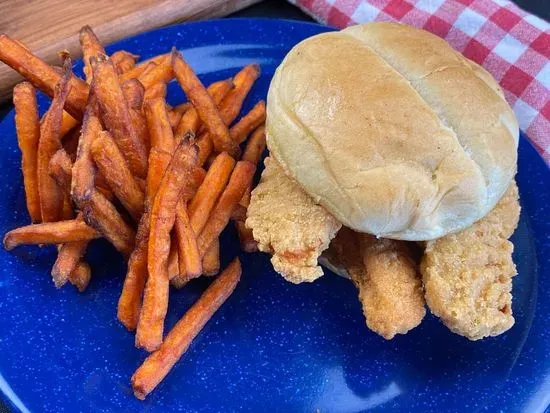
514	46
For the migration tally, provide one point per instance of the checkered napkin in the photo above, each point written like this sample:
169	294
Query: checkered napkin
514	46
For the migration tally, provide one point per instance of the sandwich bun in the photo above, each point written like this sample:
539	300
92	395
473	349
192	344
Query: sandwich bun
392	131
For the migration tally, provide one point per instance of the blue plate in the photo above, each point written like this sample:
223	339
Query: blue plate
273	346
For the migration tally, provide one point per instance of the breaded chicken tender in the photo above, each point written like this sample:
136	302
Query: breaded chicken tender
386	275
468	275
288	224
390	287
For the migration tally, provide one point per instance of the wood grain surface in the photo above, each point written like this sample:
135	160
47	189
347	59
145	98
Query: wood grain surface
48	26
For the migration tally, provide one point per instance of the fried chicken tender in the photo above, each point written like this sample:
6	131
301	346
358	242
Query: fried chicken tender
468	275
288	224
390	287
386	275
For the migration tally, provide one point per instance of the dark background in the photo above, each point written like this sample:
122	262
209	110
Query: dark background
284	10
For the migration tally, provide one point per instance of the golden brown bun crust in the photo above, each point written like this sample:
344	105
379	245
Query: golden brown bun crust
392	131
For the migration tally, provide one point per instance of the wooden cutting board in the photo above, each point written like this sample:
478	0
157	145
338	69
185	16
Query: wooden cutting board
48	26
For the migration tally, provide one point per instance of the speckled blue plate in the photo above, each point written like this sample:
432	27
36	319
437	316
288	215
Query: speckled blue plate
273	346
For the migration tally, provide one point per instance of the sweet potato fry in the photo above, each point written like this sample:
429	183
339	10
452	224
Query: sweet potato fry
62	176
83	171
81	276
189	260
68	257
197	178
102	215
156	91
58	232
140	126
24	46
67	212
159	59
203	103
181	278
210	161
159	162
252	153
133	92
219	90
106	192
248	123
233	102
255	146
205	148
211	188
143	70
174	117
70	142
230	106
60	169
179	281
68	123
91	46
173	259
163	213
211	259
239	212
42	75
160	73
142	66
246	239
245	200
129	303
142	183
240	180
160	131
158	364
51	196
114	168
124	61
27	125
175	114
182	107
190	121
116	115
136	71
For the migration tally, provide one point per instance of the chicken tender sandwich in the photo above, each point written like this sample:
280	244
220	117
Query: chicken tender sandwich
392	158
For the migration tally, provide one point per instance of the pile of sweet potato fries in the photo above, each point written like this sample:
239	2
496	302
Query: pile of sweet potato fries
111	159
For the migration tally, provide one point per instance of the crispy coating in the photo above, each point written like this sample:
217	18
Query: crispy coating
386	275
468	275
389	286
287	223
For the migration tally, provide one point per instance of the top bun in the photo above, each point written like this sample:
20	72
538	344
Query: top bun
392	131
